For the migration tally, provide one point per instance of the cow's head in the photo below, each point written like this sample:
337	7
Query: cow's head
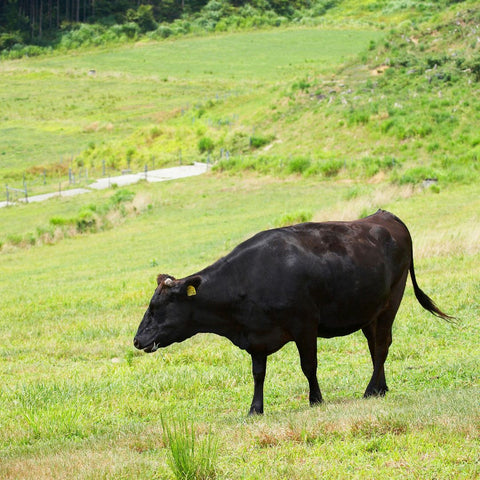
168	318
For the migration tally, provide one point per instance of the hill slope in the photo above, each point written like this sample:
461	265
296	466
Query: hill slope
274	101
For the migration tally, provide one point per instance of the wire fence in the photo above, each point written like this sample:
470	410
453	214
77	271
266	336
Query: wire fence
75	176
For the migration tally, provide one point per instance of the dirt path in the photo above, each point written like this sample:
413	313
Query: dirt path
161	175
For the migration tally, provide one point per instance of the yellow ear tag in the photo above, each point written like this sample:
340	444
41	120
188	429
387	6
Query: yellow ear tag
191	291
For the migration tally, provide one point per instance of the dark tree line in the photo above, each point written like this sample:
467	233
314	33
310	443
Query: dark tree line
35	20
35	17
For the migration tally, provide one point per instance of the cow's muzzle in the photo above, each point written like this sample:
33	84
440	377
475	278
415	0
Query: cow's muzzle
147	348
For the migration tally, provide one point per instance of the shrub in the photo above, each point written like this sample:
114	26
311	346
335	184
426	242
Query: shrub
298	165
303	85
164	31
416	175
474	65
230	164
293	218
143	17
14	239
371	166
327	168
121	196
239	142
85	34
257	141
8	40
86	221
131	30
205	144
322	6
59	221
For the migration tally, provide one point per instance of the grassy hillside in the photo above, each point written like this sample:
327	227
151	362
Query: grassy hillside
149	101
314	132
276	101
405	108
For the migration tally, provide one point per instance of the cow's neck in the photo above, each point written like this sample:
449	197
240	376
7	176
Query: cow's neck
220	320
219	306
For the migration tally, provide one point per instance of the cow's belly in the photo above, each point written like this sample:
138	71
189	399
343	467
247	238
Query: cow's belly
267	341
343	318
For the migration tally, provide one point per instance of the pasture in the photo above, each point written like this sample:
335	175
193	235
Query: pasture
79	402
53	110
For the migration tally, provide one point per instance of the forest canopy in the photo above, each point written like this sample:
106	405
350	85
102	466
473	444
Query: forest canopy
36	18
28	27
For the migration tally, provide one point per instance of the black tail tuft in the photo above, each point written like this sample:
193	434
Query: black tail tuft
425	301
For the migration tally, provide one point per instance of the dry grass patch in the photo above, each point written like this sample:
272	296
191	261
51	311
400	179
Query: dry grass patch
463	239
362	205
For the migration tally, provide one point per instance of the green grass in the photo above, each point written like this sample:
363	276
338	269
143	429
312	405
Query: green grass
80	401
146	99
190	459
324	103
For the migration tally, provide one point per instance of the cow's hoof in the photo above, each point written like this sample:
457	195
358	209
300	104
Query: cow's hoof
376	393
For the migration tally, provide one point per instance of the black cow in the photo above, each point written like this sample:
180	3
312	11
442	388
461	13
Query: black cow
294	284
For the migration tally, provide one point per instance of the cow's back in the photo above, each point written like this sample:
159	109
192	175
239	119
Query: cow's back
335	274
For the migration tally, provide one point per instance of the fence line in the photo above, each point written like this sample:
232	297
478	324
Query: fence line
14	190
76	177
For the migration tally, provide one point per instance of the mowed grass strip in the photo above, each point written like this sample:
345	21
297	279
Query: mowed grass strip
79	401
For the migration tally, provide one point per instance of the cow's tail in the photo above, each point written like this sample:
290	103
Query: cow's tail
425	301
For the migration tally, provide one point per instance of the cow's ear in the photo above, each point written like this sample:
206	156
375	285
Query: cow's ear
191	285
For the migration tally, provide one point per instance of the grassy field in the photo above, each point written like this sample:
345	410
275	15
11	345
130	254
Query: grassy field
146	100
322	102
79	402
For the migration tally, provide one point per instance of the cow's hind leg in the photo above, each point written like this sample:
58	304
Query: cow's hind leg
308	359
379	338
259	368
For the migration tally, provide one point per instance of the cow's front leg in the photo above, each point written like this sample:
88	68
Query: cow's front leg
259	367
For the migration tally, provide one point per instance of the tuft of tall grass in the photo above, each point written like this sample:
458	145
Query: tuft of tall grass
190	458
294	217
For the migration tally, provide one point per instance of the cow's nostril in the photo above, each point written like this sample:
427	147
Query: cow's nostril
136	343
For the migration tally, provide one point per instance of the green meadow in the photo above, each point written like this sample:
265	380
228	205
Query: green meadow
146	99
79	402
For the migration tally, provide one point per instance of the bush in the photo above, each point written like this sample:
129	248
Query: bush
59	221
164	31
326	168
371	166
298	165
122	196
205	144
474	66
143	17
83	35
86	221
416	175
8	40
257	141
322	6
294	218
130	30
